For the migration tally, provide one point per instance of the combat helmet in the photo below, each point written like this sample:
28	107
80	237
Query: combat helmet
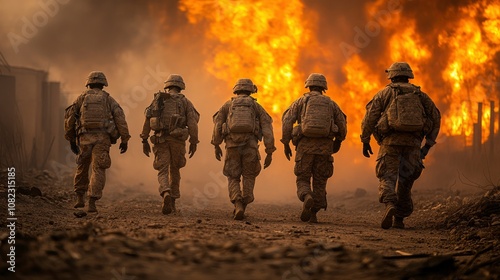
399	69
316	79
96	77
175	80
246	85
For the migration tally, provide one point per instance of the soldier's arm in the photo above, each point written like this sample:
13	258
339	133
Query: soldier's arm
119	118
433	113
290	116
374	110
266	124
192	119
341	121
146	127
219	118
70	126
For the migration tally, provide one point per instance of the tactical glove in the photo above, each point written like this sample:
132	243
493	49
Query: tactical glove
146	149
424	151
192	149
288	151
367	150
123	147
218	152
74	147
268	160
336	146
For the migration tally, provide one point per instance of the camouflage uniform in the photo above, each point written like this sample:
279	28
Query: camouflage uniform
170	150
94	147
242	160
314	155
399	161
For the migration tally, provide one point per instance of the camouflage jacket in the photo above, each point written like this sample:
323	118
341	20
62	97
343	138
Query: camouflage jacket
72	128
190	120
308	145
265	130
377	107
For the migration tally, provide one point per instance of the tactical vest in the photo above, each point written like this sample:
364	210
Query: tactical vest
167	112
406	112
94	112
242	115
317	116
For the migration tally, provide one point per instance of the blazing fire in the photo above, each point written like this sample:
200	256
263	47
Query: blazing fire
250	41
265	41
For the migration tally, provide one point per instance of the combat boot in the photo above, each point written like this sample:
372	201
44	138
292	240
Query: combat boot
314	218
80	200
166	207
239	210
92	208
390	210
306	208
397	222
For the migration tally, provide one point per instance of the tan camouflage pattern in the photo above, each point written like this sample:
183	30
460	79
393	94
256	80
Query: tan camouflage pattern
241	163
94	150
379	104
320	167
242	160
170	152
391	161
169	159
313	156
71	127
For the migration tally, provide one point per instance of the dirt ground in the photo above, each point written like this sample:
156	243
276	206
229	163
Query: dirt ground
130	239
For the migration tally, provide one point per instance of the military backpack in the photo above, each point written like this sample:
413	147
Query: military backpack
406	113
242	115
317	116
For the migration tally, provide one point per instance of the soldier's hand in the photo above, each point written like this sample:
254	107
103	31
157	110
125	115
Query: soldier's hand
367	150
192	149
268	160
336	146
424	151
146	149
218	152
123	147
288	151
74	148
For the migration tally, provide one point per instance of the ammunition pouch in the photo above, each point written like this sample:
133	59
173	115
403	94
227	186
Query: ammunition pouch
296	135
114	135
180	133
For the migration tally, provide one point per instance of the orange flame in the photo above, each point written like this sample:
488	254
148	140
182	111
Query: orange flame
250	41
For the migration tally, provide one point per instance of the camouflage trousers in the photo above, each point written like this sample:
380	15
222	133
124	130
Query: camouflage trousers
320	168
241	163
169	159
94	149
397	169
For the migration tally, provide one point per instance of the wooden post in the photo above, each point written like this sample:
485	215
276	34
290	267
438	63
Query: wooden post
479	126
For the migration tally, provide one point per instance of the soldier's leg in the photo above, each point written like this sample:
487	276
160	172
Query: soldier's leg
161	163
83	160
387	170
303	171
410	169
81	180
232	170
251	169
322	170
178	156
100	162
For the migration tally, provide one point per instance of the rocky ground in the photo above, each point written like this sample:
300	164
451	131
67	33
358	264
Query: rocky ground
451	235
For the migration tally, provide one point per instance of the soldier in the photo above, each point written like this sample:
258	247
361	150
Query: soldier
92	123
321	128
173	119
241	123
399	117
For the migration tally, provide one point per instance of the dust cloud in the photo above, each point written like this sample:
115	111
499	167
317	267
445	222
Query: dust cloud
138	44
